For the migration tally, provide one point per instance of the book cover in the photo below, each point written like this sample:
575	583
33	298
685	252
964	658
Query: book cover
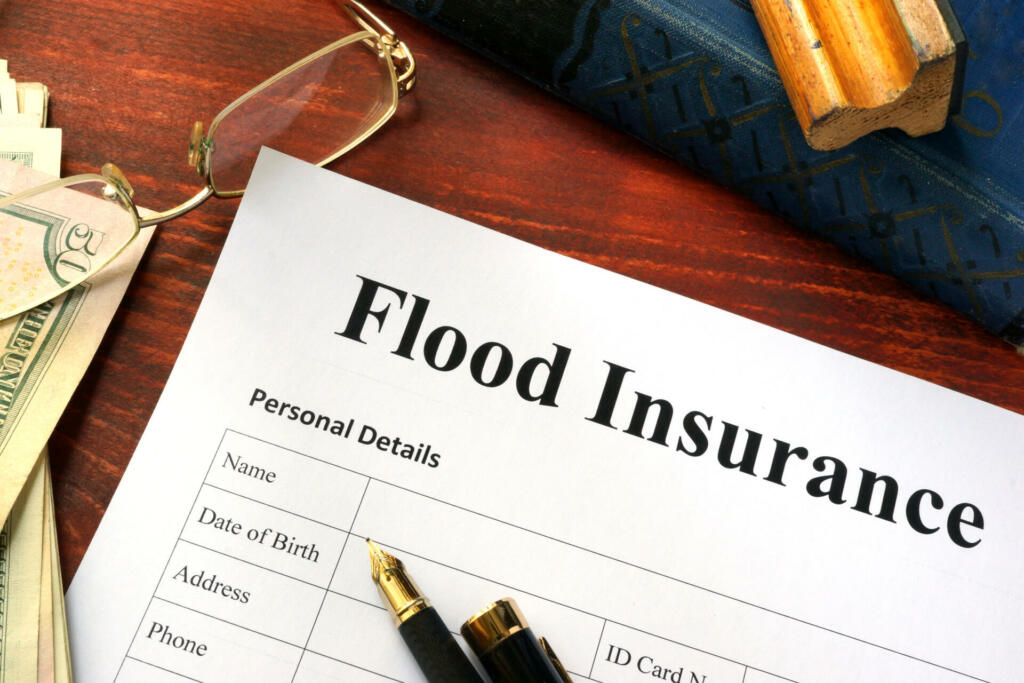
694	79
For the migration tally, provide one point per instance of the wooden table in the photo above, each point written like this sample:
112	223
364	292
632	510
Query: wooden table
128	79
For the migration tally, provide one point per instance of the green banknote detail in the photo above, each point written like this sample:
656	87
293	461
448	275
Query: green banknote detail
28	352
70	247
23	158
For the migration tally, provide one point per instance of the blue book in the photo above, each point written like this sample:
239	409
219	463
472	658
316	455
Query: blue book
694	78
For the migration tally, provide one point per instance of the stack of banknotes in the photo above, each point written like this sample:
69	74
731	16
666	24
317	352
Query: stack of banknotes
33	630
43	355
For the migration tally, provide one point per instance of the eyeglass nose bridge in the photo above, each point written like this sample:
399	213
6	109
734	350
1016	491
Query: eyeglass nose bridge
199	149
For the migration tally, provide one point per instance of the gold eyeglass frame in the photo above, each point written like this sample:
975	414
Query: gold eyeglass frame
375	35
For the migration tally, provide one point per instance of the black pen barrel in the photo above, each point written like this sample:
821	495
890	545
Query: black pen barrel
435	649
519	658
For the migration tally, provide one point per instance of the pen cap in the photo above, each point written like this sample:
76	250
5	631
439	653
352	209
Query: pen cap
510	653
492	624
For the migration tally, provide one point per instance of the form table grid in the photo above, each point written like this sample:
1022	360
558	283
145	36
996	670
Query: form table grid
335	634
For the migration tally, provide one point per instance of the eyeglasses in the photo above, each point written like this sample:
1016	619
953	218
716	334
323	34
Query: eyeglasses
317	109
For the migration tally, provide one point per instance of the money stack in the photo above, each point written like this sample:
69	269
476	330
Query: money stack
24	137
33	628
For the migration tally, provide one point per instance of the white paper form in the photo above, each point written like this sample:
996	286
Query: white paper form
669	491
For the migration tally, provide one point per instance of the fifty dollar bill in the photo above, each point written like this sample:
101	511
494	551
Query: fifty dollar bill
45	351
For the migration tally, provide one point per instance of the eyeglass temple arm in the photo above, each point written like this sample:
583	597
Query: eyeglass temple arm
405	65
180	209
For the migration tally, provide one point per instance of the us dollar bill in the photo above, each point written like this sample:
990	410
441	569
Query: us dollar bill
58	614
37	148
33	622
8	95
53	655
33	102
45	351
44	618
21	553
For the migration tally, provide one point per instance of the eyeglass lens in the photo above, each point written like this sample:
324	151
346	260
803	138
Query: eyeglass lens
51	241
310	113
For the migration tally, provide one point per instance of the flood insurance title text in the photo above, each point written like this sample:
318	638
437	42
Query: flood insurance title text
491	364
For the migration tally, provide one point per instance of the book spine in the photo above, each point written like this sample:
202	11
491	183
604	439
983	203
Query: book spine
695	80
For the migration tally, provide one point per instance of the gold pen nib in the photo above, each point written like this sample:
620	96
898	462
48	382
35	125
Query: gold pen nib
380	561
397	589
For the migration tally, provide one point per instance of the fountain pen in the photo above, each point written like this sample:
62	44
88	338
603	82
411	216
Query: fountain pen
428	639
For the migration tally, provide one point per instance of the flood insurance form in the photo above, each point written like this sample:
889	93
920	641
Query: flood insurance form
669	491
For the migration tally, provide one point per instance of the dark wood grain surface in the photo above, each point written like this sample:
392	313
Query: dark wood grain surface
128	79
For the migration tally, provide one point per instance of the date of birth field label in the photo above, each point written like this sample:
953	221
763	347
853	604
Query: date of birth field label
265	536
